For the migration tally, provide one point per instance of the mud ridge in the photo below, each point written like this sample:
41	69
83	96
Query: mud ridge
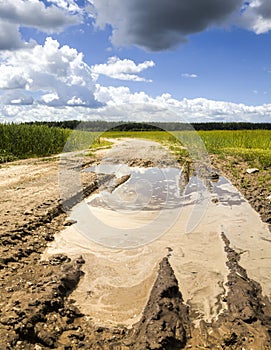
76	198
165	322
245	300
246	324
164	325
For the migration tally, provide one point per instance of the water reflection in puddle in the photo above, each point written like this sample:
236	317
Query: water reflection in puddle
157	188
137	212
147	205
146	189
222	191
226	193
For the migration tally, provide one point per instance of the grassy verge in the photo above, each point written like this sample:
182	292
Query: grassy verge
159	136
250	146
100	143
233	152
19	141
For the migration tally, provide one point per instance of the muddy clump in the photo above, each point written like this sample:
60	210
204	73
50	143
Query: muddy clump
40	312
165	322
246	324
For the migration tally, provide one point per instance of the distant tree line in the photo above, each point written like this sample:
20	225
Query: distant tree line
232	126
100	125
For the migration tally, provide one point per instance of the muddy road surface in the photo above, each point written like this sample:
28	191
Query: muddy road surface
140	263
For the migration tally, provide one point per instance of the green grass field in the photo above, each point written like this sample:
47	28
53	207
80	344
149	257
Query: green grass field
19	141
251	146
23	140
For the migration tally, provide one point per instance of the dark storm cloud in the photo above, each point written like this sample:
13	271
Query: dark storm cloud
15	14
161	24
264	9
35	14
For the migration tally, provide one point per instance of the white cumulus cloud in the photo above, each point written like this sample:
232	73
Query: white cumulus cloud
58	74
121	69
120	104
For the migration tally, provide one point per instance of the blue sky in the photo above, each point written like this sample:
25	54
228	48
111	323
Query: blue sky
178	60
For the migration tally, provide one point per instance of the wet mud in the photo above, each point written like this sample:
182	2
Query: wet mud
37	310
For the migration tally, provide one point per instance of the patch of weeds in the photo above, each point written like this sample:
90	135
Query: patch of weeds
91	154
265	181
49	159
253	157
244	183
100	143
183	156
6	156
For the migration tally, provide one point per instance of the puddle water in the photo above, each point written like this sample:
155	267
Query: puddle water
220	190
226	194
150	215
141	209
146	189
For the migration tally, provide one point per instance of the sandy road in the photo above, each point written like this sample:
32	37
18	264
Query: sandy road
117	276
215	264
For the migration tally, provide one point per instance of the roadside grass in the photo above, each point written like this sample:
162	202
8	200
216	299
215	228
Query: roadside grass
232	152
6	156
235	151
97	144
159	136
245	139
19	141
100	143
250	146
80	140
256	158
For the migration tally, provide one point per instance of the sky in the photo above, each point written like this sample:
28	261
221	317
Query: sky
142	60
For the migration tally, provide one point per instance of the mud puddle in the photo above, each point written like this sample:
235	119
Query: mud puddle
124	235
146	189
135	213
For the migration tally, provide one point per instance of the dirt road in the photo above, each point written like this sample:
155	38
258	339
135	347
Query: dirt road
206	288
